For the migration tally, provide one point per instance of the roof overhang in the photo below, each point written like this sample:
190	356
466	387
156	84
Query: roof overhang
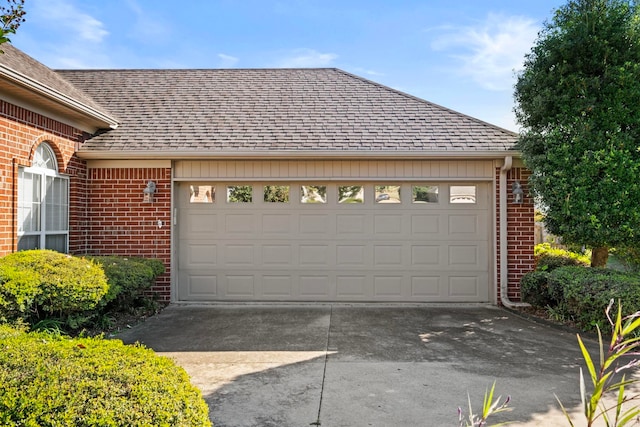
293	154
22	90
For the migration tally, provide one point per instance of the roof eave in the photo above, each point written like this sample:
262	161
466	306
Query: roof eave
291	154
100	119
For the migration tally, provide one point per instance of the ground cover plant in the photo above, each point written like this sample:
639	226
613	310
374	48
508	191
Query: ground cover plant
53	380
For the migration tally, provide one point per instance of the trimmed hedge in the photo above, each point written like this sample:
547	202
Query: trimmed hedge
49	380
586	292
535	290
43	283
129	276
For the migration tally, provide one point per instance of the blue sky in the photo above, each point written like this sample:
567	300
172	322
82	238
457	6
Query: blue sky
460	54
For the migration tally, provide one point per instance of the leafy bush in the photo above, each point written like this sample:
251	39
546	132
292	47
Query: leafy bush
42	283
50	380
535	290
586	293
129	277
549	258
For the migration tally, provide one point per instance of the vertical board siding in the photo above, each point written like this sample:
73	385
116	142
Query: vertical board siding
334	169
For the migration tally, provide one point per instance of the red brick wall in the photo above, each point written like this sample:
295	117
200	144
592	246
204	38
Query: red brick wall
106	212
121	223
520	232
21	131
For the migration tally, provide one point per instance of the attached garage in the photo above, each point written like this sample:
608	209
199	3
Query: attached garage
332	236
303	185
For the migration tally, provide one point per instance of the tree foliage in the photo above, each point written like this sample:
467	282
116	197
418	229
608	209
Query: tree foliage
12	15
578	102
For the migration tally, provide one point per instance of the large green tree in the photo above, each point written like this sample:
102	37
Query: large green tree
578	102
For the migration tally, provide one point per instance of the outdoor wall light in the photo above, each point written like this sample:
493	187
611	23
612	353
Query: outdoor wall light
148	192
517	192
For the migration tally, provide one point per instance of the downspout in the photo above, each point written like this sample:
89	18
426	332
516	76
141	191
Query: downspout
504	269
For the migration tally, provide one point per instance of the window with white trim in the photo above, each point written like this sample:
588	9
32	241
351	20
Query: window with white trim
43	204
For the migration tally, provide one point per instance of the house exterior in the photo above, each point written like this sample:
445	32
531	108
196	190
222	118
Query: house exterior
263	184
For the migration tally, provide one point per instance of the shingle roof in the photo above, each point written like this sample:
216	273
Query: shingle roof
240	110
37	73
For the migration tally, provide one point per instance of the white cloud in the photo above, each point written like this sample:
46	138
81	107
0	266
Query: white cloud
63	36
307	58
64	16
227	61
490	52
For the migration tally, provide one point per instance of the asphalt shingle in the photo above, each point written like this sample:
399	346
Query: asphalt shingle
237	110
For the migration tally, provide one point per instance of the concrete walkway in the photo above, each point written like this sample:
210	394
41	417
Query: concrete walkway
341	365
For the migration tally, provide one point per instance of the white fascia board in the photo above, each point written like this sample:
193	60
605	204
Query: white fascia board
212	155
59	97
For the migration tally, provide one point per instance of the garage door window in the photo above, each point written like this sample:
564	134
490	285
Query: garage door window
239	194
276	193
424	194
462	194
350	194
313	194
387	194
202	193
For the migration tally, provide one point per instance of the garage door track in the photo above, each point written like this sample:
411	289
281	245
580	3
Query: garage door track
363	365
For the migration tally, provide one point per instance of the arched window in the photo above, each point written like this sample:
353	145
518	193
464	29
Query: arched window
43	204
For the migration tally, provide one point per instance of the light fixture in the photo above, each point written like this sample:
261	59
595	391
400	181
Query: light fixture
148	192
517	192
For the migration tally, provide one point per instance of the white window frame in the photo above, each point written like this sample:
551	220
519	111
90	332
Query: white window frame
45	169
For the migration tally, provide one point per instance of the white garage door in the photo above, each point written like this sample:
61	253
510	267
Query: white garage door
333	241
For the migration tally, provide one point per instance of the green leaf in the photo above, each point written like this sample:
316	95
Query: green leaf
587	359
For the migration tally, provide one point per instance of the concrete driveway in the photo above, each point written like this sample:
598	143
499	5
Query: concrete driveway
341	365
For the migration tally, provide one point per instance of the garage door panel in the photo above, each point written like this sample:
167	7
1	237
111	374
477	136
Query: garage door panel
352	287
314	224
356	255
428	287
279	255
425	224
237	223
413	252
388	286
199	255
426	256
278	224
277	286
349	225
388	255
198	286
464	286
389	225
315	286
238	255
240	286
199	225
314	255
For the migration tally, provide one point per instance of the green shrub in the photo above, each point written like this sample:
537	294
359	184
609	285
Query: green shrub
50	380
129	277
548	258
535	289
36	284
586	292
